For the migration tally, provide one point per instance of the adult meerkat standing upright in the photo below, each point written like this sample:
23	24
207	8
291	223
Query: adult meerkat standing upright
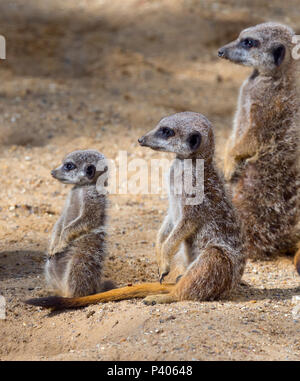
204	231
78	244
261	159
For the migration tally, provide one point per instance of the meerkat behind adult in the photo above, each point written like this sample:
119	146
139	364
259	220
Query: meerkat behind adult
261	159
78	244
207	229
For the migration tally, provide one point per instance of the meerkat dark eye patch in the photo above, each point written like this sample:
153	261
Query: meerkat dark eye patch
69	166
165	132
194	141
279	54
249	43
90	171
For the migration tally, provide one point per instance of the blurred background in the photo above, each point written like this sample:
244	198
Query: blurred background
75	67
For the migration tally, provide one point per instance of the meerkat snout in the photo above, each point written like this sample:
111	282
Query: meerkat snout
141	140
221	52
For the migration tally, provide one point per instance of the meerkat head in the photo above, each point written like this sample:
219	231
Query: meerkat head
266	47
187	134
80	167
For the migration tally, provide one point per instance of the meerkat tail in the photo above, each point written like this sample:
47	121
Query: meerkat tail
129	292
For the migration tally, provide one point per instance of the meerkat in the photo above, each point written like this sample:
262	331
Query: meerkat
205	231
77	248
261	159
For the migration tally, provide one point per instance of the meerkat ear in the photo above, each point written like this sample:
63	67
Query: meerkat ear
194	141
278	54
90	171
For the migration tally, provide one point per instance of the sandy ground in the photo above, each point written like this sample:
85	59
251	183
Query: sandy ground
98	74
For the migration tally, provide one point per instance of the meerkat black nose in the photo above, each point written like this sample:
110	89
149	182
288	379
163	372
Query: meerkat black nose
53	172
141	140
221	52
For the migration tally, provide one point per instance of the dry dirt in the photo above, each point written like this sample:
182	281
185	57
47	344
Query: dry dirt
98	74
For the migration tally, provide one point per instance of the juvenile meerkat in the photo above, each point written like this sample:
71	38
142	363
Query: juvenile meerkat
78	243
205	231
261	161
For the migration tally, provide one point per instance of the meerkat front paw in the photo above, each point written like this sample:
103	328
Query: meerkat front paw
50	251
59	248
164	269
229	167
164	262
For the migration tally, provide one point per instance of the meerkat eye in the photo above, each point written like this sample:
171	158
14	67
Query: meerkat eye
69	166
90	171
165	132
249	43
